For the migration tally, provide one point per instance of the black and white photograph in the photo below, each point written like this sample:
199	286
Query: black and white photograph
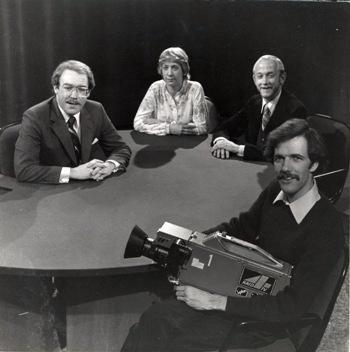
174	175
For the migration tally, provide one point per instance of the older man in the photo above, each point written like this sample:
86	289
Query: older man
262	113
68	136
292	221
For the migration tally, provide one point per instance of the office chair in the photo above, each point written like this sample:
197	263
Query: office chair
304	334
8	138
336	135
213	118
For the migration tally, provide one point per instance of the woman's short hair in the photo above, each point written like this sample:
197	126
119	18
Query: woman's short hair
76	66
177	55
293	128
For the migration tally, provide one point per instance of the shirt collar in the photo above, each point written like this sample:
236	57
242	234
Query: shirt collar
184	86
302	205
66	117
182	89
272	103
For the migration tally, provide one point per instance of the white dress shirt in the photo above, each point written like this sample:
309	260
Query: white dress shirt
301	206
65	172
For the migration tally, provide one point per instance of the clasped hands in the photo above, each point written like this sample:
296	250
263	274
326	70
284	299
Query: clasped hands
222	148
94	169
199	299
176	128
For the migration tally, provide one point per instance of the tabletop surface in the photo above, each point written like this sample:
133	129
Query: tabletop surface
83	226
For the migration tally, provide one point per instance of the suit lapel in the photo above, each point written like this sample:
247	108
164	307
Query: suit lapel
278	115
258	114
87	134
60	129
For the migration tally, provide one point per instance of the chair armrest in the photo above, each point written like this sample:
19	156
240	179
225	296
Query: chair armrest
275	326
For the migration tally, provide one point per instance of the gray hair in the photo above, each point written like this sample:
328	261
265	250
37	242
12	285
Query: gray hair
273	58
177	55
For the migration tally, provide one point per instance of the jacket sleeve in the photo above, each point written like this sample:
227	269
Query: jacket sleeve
233	126
27	154
252	152
299	112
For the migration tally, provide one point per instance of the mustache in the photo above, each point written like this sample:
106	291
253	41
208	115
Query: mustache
285	174
72	101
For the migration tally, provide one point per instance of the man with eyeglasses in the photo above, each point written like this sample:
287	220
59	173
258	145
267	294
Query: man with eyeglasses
68	136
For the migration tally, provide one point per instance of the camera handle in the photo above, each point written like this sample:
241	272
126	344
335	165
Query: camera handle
224	236
173	280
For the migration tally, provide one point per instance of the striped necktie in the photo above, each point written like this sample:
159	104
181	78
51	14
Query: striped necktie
265	117
74	136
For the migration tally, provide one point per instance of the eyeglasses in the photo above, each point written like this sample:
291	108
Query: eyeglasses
82	92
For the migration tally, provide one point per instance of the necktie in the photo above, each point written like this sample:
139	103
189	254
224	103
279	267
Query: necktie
266	117
74	136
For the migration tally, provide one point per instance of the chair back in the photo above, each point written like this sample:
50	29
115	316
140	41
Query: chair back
213	117
308	337
8	138
336	135
323	305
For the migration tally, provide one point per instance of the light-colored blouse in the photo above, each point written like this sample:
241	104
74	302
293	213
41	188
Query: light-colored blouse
159	109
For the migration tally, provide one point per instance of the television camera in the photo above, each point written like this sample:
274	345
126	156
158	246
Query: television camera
216	263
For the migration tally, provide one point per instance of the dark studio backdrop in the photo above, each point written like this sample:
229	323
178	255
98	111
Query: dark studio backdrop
121	40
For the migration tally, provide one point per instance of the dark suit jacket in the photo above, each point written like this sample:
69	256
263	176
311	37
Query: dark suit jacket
247	122
44	144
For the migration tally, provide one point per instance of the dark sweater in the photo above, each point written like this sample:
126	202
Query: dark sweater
312	247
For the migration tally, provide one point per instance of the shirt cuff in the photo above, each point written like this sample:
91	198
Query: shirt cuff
219	139
241	150
65	174
167	127
116	164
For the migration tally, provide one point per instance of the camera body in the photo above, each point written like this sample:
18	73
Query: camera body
216	263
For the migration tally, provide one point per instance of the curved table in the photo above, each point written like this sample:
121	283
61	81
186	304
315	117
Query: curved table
76	228
81	228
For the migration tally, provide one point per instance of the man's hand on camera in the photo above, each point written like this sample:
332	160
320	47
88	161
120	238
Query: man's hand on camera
199	299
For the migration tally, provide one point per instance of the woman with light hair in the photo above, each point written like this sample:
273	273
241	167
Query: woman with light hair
174	104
